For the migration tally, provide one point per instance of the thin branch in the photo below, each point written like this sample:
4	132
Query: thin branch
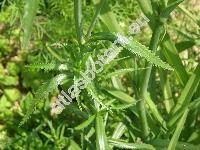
153	46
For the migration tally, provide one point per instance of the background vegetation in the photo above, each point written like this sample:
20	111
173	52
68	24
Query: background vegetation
130	105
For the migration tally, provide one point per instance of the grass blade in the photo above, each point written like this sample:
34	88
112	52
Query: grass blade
122	96
175	137
73	146
171	54
119	130
166	12
85	123
167	93
124	145
162	144
154	110
97	12
185	97
189	90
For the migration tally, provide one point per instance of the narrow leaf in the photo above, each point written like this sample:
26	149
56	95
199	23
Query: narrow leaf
171	54
85	123
119	130
122	96
73	146
186	96
162	144
101	139
124	145
154	110
166	12
175	137
140	50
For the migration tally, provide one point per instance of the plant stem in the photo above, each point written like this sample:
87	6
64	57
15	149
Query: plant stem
153	46
77	16
94	19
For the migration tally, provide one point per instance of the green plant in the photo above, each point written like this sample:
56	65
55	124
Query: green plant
146	98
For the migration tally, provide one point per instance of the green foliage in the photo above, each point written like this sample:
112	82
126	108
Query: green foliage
136	48
147	97
43	93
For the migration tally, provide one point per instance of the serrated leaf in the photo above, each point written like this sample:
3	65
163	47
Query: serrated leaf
43	93
134	47
140	50
95	96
